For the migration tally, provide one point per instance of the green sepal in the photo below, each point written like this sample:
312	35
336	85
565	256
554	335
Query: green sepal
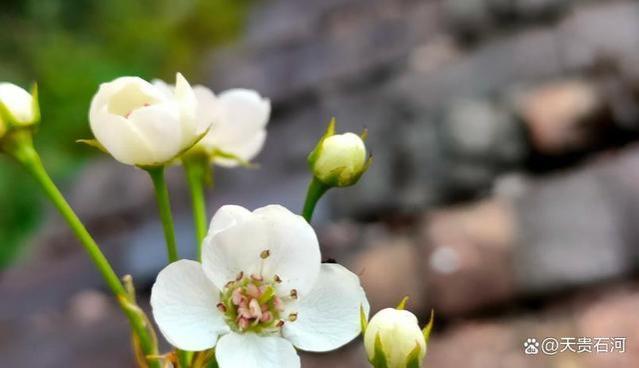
402	304
363	319
429	327
231	156
330	131
127	281
414	360
93	143
6	117
35	102
364	134
379	358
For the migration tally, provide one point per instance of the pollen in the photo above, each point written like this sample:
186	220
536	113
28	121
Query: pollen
251	304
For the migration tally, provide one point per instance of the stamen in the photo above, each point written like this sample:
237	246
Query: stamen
251	304
252	291
266	317
237	296
256	310
243	323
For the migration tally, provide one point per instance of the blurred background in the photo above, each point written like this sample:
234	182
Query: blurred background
504	191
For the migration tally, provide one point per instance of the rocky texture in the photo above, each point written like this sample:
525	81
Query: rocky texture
479	112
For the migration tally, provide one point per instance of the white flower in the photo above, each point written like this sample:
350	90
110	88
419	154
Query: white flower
399	334
18	107
241	128
239	120
259	292
139	124
339	159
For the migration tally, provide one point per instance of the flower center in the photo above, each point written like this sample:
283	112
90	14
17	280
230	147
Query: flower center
250	303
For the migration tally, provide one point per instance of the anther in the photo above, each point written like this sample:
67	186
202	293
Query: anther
294	293
279	323
277	279
239	276
265	254
221	307
292	317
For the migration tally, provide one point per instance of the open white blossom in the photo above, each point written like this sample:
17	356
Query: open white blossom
259	292
139	124
239	120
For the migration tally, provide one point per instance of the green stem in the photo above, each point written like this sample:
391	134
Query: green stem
184	358
164	205
196	173
20	147
316	190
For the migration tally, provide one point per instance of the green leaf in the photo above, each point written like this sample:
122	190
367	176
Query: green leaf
414	360
429	327
379	359
363	319
402	304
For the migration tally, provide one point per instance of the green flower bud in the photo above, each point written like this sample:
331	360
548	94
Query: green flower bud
339	160
393	339
18	108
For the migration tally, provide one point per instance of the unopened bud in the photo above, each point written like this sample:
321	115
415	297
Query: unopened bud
394	335
339	160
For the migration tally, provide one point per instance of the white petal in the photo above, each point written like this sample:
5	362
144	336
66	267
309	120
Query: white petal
123	141
163	87
295	253
192	127
291	241
160	126
208	110
329	316
243	113
245	151
226	216
18	101
250	350
184	306
233	250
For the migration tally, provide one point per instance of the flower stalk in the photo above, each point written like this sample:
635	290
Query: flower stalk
316	190
196	168
164	206
19	145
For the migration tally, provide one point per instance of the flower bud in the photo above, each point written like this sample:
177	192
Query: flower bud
139	124
18	108
393	335
339	160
